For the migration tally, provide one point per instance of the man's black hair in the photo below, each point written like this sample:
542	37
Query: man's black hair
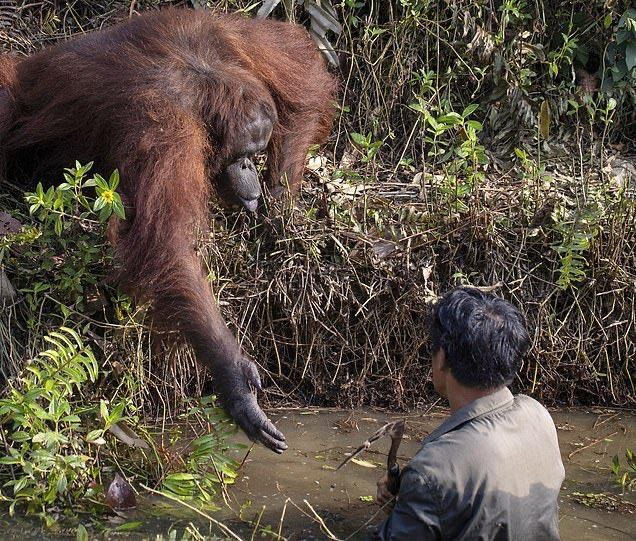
483	337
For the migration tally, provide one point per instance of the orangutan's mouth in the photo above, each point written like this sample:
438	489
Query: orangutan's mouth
250	204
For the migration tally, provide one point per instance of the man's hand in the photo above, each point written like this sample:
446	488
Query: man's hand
383	495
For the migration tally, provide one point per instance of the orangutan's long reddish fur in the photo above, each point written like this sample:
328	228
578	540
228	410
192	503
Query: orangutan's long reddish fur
160	98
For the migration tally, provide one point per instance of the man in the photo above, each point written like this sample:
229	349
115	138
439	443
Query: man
493	469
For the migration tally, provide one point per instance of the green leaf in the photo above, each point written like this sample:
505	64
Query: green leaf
544	120
99	204
81	534
48	439
20	484
60	337
94	435
118	208
100	182
117	413
127	526
113	181
451	118
630	55
62	484
180	477
103	410
40	413
75	336
105	213
470	109
359	139
432	122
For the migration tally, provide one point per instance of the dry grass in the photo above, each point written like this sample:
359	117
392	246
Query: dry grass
335	311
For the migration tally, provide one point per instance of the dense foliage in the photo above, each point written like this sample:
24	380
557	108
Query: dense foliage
68	421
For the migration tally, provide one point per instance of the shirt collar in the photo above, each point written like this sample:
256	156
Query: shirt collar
470	411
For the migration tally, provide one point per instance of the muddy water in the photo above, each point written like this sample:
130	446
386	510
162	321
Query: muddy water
300	495
319	441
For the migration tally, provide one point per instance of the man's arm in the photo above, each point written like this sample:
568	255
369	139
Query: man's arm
416	512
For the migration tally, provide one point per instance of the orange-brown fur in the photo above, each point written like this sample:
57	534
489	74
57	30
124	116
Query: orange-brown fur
161	98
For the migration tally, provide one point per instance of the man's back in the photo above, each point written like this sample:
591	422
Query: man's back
492	471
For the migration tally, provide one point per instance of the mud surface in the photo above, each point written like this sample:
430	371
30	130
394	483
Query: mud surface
319	440
300	495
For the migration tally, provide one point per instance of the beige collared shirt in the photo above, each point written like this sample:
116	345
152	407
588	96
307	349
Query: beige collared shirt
492	470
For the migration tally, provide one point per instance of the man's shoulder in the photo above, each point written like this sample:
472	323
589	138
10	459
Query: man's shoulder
528	401
533	408
477	442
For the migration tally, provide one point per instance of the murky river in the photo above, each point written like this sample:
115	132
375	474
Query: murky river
300	496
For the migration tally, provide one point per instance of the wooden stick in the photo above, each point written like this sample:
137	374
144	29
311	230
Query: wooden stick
591	444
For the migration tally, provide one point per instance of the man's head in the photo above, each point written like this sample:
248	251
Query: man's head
477	339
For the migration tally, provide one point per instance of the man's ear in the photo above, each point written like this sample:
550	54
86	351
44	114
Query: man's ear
439	358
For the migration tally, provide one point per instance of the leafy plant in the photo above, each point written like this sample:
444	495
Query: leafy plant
563	55
577	229
60	432
64	254
206	464
625	477
599	109
620	56
453	138
68	201
56	428
368	146
46	427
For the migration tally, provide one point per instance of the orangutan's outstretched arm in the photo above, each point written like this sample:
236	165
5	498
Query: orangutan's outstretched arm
163	169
